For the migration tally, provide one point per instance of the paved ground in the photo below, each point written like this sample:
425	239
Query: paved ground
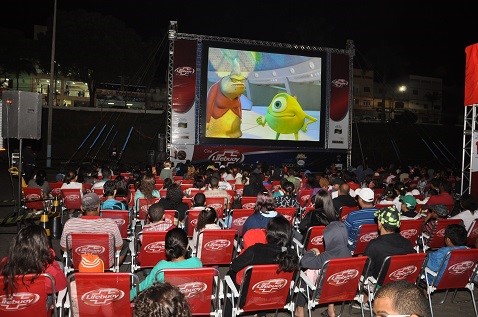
8	196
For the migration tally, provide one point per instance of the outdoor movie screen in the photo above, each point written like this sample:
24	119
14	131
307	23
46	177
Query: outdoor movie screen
258	95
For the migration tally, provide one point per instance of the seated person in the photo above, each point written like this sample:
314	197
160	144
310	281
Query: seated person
207	219
161	299
435	212
455	238
109	191
176	246
155	220
409	203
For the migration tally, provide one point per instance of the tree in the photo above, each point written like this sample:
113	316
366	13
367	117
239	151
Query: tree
95	49
18	55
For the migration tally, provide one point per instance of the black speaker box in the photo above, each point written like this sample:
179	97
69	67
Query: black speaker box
21	115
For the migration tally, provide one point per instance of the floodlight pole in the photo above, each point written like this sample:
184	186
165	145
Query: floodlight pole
51	88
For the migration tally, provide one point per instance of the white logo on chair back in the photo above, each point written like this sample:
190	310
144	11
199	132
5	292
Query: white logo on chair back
194	222
288	217
18	301
317	240
269	286
407	234
342	277
119	221
33	197
249	205
239	221
305	197
474	232
460	268
441	233
90	248
72	197
155	247
402	273
192	288
102	296
144	208
216	206
216	245
368	237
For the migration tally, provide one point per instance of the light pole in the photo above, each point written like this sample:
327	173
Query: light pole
52	88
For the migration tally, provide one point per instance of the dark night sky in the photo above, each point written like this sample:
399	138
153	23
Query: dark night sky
431	35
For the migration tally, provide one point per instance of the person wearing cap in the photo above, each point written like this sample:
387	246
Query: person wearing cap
408	205
91	221
365	215
388	243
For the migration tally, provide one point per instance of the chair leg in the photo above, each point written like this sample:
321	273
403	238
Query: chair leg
430	303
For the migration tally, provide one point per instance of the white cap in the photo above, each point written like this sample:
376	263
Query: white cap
365	193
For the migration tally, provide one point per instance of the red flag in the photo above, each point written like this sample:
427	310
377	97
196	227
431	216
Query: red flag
471	75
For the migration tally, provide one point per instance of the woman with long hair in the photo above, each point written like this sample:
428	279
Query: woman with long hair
207	219
146	190
264	211
71	180
289	198
276	250
322	214
174	200
176	247
30	253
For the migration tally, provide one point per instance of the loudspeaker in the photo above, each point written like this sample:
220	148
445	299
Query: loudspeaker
161	142
21	115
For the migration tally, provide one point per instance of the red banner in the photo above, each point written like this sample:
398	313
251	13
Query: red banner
471	75
184	76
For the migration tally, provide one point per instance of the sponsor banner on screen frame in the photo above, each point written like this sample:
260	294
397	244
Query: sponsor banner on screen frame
338	137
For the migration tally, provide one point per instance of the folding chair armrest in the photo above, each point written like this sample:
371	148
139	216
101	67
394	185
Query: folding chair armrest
221	223
231	286
431	272
297	243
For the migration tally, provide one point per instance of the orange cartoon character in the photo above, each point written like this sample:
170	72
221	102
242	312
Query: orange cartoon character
224	112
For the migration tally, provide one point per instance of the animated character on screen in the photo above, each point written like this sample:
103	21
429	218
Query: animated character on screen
285	116
224	112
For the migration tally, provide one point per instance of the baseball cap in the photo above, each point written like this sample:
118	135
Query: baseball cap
409	201
389	215
365	193
90	201
439	209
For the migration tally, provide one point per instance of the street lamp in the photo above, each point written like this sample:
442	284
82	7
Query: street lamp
398	96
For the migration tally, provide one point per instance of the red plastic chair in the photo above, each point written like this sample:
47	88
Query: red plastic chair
151	250
266	290
231	193
219	205
314	238
192	218
29	299
218	247
185	186
472	234
100	294
188	201
239	188
102	244
437	237
345	210
170	216
87	187
248	202
459	273
304	197
100	192
71	198
367	232
55	188
143	206
406	267
377	193
340	277
163	192
239	217
288	213
411	229
121	218
33	198
200	287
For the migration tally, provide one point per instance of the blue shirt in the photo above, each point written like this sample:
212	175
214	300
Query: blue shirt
354	220
435	259
113	204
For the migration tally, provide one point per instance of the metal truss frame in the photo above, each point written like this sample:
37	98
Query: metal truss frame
470	127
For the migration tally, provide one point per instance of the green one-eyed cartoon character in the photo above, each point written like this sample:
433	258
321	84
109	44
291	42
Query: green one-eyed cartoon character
285	116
